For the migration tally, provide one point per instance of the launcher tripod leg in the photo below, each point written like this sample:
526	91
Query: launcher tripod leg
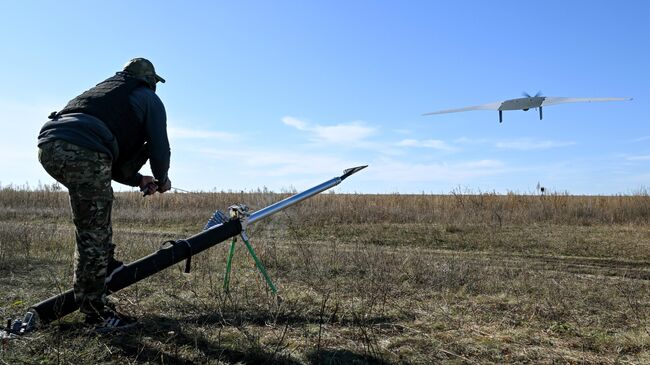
226	279
258	263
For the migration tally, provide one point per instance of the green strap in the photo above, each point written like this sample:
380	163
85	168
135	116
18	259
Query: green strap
226	279
260	266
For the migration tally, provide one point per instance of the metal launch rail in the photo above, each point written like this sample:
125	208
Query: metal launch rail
64	303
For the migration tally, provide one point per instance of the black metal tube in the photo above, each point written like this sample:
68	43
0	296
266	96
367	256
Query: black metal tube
64	303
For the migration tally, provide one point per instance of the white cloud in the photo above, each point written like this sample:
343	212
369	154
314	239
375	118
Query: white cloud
641	139
280	163
526	144
466	140
402	131
344	133
427	143
406	172
186	133
638	158
481	164
294	122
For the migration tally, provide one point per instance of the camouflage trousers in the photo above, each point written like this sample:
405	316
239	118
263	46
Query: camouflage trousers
87	175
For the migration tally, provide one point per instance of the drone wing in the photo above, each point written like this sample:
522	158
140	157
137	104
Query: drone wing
559	100
490	106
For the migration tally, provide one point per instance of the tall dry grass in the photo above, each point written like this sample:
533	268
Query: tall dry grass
365	279
457	209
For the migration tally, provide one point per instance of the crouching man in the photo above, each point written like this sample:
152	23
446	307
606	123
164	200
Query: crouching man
106	133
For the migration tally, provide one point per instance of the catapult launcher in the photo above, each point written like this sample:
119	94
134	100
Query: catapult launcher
218	229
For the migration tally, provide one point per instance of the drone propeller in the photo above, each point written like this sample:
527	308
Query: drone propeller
538	94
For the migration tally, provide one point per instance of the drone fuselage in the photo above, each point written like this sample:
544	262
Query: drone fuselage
522	103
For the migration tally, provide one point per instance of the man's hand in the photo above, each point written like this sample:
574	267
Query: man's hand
148	185
165	187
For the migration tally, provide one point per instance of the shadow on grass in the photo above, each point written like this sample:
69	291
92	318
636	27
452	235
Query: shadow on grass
342	357
159	339
162	340
238	318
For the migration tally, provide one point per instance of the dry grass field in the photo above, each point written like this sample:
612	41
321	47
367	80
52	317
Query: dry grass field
363	279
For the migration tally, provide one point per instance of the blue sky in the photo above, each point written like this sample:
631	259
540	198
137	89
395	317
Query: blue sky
285	94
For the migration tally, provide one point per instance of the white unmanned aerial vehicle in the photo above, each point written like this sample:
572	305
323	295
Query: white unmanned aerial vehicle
525	103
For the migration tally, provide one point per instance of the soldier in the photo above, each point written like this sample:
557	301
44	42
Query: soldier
106	133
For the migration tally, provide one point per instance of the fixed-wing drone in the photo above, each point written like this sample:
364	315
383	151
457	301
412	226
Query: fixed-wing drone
527	102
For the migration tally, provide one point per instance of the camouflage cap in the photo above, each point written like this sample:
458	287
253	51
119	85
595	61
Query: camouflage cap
141	68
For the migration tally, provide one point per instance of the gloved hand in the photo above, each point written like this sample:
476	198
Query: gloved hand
165	187
148	185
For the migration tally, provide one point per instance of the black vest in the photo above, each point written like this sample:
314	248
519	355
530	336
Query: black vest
109	102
